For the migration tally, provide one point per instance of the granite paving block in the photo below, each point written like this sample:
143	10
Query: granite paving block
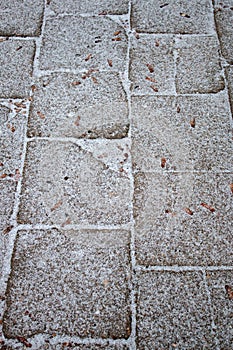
184	17
152	65
97	41
16	59
224	17
65	184
183	219
77	346
11	141
69	282
229	74
221	287
21	18
102	7
68	105
173	312
183	132
198	65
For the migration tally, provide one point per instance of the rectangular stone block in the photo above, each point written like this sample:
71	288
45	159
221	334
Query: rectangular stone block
21	18
181	133
183	219
64	184
152	65
221	287
97	41
173	312
16	60
198	68
72	283
93	106
175	16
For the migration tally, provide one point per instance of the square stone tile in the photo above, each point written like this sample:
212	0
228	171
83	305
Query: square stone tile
65	184
224	17
151	66
183	219
16	60
96	40
69	282
189	132
21	18
68	105
173	311
222	306
229	74
198	65
102	7
175	16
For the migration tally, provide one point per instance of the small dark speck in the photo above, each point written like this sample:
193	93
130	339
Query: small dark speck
66	178
18	48
161	6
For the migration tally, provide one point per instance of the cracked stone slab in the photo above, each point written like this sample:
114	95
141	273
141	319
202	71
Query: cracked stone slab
229	74
64	184
152	65
198	65
180	16
172	311
222	305
98	43
21	18
102	7
183	219
224	17
183	132
89	105
72	283
16	60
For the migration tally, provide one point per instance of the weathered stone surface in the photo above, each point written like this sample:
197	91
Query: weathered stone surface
190	132
229	74
16	59
224	18
219	282
65	184
21	18
172	311
68	105
69	282
151	66
97	7
198	65
94	43
180	16
183	219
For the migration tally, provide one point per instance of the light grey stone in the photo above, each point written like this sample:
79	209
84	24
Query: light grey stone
222	305
68	105
198	65
172	311
69	282
175	16
63	183
183	219
16	60
94	36
151	66
21	18
161	128
229	74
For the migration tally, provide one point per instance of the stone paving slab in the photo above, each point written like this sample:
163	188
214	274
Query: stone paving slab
69	345
173	312
71	282
21	18
96	41
16	60
222	306
65	184
91	105
184	17
224	18
187	132
183	219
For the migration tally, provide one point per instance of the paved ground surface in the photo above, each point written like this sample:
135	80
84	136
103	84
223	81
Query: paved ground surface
116	174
